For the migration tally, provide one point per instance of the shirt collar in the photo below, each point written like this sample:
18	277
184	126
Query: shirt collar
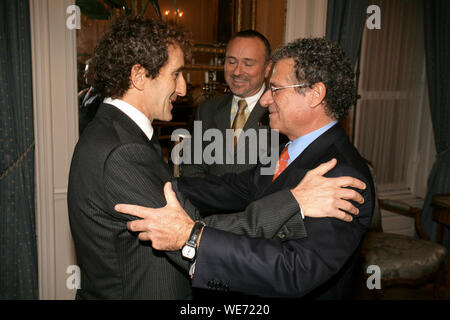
297	146
134	114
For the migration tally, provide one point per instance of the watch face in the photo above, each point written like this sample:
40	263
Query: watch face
188	252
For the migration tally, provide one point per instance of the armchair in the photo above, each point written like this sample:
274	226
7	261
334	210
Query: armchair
404	261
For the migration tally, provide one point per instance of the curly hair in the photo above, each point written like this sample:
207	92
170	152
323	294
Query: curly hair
134	41
320	60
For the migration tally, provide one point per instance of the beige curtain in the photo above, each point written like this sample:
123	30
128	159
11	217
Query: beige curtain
392	85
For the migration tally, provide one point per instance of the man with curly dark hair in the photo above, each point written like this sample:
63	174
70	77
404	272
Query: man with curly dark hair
317	60
311	87
138	70
130	43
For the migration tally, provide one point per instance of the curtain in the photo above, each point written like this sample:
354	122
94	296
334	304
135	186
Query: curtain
345	24
18	254
437	39
392	93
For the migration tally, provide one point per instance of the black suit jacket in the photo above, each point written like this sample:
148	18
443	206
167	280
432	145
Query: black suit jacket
319	265
215	114
114	162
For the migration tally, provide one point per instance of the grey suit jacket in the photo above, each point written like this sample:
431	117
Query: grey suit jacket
114	162
215	113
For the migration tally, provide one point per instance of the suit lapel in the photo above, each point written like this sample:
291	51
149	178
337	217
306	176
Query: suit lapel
254	119
314	152
111	113
307	160
155	143
265	181
222	116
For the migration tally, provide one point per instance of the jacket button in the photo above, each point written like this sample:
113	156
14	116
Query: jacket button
281	235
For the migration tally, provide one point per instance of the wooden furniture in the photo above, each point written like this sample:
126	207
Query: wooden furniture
441	213
204	73
404	261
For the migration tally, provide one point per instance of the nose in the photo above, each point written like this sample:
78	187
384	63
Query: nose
180	88
266	99
237	69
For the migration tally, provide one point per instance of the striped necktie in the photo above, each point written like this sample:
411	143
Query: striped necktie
239	119
282	162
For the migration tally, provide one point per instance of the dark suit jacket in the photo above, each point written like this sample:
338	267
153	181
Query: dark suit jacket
319	265
215	113
114	162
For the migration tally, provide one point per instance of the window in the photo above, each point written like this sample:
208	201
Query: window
392	123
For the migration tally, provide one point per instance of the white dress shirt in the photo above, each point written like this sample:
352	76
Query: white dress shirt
134	114
251	103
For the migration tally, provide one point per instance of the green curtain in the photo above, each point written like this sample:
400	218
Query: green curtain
437	53
18	254
345	25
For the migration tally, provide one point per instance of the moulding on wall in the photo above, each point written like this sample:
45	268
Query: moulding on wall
56	132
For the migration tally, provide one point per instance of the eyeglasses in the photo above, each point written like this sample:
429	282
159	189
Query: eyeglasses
275	89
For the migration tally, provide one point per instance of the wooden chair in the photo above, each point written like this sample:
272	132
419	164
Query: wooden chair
404	261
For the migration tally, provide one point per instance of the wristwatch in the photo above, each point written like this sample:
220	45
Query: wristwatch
189	250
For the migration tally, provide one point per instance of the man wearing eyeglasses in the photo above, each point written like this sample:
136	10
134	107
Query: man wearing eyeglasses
312	86
247	66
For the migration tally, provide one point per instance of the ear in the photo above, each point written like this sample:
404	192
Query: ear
318	93
268	70
138	76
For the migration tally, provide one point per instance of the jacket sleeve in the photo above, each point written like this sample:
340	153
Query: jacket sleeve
219	194
135	174
276	268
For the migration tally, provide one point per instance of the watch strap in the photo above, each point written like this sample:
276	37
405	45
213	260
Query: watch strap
195	233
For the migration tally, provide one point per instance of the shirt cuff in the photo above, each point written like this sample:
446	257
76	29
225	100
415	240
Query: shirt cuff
192	270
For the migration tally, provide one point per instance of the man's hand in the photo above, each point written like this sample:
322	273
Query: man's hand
168	228
321	197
